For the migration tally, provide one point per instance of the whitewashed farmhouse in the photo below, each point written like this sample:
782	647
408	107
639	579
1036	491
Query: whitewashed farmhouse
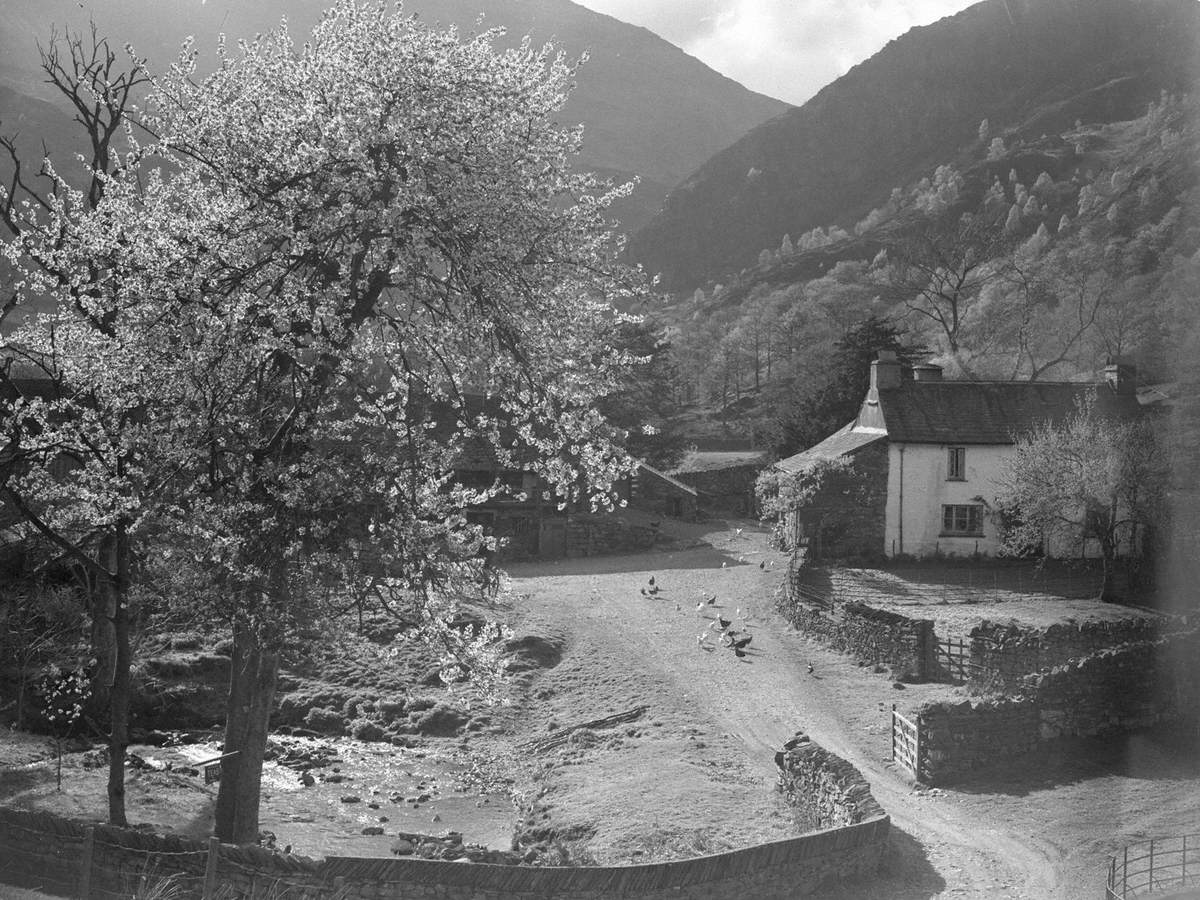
931	450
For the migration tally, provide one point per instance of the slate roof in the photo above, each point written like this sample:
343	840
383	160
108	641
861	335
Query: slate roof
844	442
988	412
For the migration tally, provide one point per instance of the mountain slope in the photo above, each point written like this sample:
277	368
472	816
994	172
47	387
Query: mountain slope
648	108
1028	66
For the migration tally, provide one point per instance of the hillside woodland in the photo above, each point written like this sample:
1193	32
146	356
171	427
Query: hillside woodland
657	136
1030	67
1022	257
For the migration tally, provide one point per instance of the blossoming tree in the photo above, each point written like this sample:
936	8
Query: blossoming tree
321	258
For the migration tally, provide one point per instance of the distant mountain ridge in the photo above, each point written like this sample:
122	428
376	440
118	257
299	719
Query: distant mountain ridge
648	108
1028	66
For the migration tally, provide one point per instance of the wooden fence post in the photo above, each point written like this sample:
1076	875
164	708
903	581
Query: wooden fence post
893	732
1152	864
85	863
917	773
210	869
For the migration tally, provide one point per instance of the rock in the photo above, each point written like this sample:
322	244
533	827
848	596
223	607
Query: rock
373	830
307	780
372	806
95	759
898	685
424	798
156	738
334	779
402	847
436	818
383	818
351	799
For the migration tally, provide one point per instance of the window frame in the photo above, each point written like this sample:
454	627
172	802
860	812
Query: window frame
972	521
958	454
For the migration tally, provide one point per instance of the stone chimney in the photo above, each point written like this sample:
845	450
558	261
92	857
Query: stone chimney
885	373
927	372
1121	376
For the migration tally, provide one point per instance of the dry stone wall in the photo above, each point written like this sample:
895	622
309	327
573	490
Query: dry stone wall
958	738
39	852
1120	689
1003	653
811	776
875	636
1124	688
602	535
725	490
43	851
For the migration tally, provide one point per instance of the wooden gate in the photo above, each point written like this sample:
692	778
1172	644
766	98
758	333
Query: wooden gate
952	659
906	743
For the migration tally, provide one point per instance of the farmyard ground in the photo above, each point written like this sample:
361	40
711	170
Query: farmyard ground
695	772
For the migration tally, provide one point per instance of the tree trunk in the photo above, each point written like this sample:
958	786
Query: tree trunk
22	679
251	695
1107	594
116	608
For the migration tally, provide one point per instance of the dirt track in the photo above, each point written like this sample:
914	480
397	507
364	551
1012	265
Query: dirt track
1021	835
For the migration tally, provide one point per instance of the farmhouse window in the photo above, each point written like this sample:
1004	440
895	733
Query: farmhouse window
956	468
962	519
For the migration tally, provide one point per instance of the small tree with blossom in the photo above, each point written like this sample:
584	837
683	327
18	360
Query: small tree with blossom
1088	478
64	693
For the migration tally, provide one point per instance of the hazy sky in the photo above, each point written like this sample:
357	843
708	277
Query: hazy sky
788	49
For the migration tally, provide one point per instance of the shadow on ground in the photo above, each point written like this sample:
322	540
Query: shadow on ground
201	824
705	557
16	781
905	873
1158	755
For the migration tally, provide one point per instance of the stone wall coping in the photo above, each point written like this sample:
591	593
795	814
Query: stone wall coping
626	880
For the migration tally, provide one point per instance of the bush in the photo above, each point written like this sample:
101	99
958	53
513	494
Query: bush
325	720
391	710
441	721
366	730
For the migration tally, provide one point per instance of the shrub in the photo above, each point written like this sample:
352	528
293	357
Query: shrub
327	720
441	721
366	730
391	710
